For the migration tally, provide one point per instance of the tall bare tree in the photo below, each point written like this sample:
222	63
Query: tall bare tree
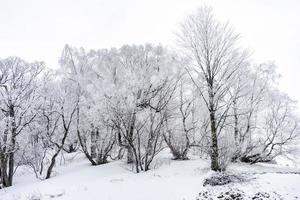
213	48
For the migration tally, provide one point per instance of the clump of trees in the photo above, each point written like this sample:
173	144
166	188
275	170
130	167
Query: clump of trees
132	102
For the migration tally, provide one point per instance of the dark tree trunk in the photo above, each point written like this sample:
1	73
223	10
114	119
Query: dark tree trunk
130	158
94	138
10	169
50	168
214	144
11	160
84	149
61	146
4	177
236	130
82	141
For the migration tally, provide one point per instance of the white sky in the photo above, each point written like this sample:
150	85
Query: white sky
38	29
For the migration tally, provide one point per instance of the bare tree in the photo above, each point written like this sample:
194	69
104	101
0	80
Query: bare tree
279	126
44	133
213	48
146	140
249	96
66	119
17	96
181	123
97	140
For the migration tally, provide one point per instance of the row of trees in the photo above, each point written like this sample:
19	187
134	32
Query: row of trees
135	101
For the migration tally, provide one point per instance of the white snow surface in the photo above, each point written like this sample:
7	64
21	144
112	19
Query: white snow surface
76	179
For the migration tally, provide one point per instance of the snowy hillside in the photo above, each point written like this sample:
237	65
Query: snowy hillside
76	179
199	118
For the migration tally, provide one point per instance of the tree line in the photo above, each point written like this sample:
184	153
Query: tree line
134	101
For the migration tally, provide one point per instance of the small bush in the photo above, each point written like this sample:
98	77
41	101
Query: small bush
222	179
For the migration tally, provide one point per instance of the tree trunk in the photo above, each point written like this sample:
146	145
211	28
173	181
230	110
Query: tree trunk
4	177
129	155
11	160
53	159
214	144
10	169
93	143
236	130
84	149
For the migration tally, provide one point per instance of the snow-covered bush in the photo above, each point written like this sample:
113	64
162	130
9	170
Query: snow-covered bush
236	194
221	178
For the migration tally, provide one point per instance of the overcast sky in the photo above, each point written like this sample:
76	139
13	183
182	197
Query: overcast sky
38	29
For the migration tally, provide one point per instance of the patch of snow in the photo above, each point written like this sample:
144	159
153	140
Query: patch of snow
167	180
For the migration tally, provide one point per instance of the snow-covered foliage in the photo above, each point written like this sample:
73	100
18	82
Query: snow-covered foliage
18	103
137	100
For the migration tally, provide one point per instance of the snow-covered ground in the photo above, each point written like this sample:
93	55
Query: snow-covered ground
76	179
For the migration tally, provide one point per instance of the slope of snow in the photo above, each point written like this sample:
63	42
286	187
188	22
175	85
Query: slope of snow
168	180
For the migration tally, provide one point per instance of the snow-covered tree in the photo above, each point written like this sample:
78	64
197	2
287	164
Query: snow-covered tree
18	104
145	83
182	123
213	48
91	75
